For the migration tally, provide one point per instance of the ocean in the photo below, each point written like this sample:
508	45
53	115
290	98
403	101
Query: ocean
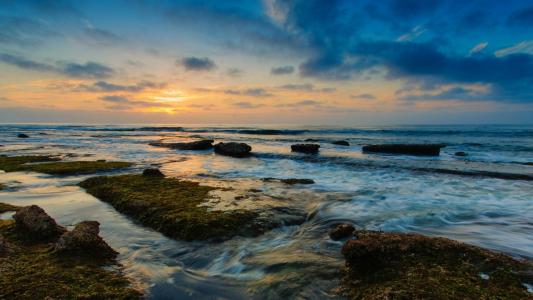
484	198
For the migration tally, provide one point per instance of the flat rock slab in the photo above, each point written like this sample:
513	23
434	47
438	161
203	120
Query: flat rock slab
233	149
381	265
177	208
410	149
196	145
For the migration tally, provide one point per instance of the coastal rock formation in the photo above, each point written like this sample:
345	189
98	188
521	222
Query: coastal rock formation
84	239
412	149
37	223
381	265
460	153
196	145
177	208
305	148
23	136
5	246
233	149
153	173
341	231
341	143
290	180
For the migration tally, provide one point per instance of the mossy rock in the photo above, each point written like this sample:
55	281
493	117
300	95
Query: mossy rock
383	265
35	271
51	165
4	207
171	206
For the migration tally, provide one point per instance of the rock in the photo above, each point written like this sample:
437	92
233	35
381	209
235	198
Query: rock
84	239
297	181
311	140
233	149
412	149
37	223
196	145
5	246
305	148
341	143
290	180
23	136
460	153
381	265
153	173
341	231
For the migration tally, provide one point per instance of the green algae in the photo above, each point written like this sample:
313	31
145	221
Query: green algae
4	207
383	265
33	270
51	165
171	206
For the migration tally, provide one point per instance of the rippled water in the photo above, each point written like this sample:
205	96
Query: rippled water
392	193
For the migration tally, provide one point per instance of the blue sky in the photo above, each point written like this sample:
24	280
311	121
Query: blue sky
320	62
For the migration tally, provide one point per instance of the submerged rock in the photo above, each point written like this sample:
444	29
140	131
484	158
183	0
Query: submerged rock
84	239
341	143
37	223
460	153
412	149
382	265
196	145
233	149
23	136
341	231
153	173
305	148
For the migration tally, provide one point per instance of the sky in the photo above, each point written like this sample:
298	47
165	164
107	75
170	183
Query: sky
330	62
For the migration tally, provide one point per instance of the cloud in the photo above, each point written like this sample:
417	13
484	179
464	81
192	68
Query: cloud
87	70
103	86
120	102
282	70
254	92
455	93
302	103
522	47
363	96
307	87
197	64
477	48
411	35
247	105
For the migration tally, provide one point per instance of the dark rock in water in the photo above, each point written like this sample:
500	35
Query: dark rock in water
153	173
413	149
196	145
341	143
305	148
37	223
290	180
233	149
43	133
528	163
460	153
381	265
341	231
311	140
84	239
23	136
297	181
